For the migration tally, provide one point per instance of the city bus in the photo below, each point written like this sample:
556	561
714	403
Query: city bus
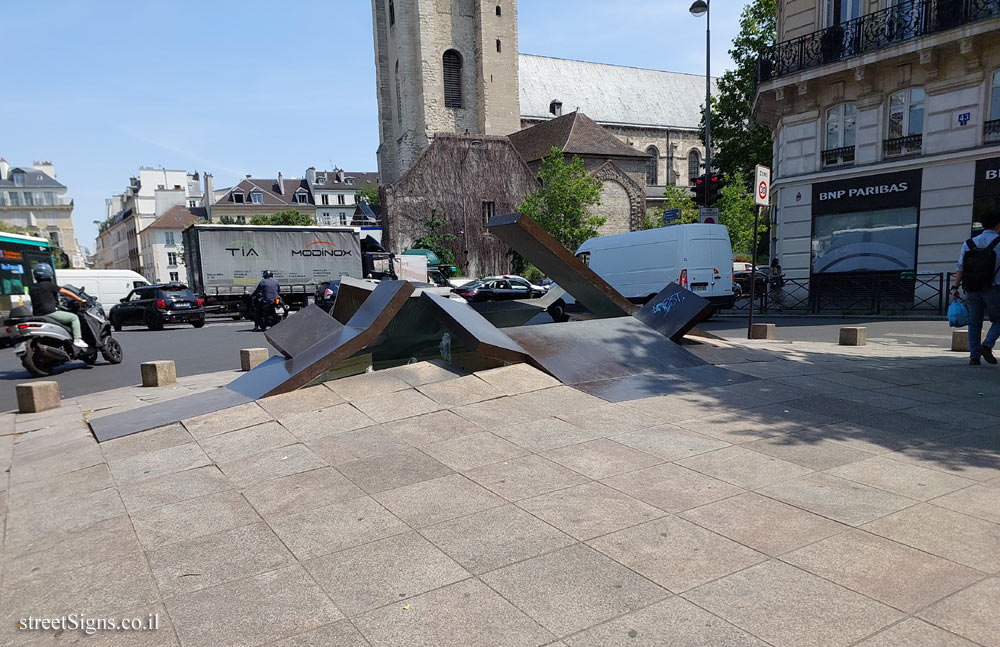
18	255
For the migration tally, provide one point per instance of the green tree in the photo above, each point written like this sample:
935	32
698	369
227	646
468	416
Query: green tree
368	193
290	217
436	240
11	229
675	197
736	212
738	142
561	205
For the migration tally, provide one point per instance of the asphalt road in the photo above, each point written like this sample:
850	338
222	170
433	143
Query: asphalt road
216	347
880	331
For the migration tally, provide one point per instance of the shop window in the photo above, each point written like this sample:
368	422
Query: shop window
840	132
694	164
905	122
652	166
867	241
452	64
991	128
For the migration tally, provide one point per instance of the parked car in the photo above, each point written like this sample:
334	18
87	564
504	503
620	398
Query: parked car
155	305
741	279
499	288
326	294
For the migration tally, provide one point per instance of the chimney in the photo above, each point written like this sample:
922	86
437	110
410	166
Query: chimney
281	186
209	197
311	175
4	168
340	175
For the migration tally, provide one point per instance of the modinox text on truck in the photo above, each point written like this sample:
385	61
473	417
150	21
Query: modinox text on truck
225	262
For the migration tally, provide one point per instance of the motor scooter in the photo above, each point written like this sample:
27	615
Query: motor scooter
271	313
42	343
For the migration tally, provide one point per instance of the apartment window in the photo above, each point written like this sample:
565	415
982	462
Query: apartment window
29	199
840	130
326	198
15	198
171	259
349	181
340	198
192	203
652	166
54	238
452	64
498	46
175	277
238	197
50	197
320	179
168	238
841	11
19	179
694	163
256	197
301	198
905	123
489	210
392	13
343	220
992	125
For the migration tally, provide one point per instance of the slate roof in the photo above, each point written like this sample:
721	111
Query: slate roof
178	217
575	133
610	94
360	180
269	191
33	179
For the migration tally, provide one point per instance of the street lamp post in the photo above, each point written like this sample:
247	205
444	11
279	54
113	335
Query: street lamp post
700	8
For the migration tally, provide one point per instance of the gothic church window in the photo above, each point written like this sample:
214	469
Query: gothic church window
452	64
694	163
652	166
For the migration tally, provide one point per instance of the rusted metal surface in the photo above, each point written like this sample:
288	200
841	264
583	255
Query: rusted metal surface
674	311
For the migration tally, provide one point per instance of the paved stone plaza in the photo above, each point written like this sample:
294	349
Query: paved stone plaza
847	497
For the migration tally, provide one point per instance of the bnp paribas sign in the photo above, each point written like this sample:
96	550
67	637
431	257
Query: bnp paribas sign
868	193
987	178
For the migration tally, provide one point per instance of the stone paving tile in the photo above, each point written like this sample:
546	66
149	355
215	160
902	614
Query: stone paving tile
862	437
300	492
573	588
472	451
854	380
601	458
390	471
495	538
210	424
901	478
335	527
981	501
908	425
610	419
464	614
147	441
674	622
205	515
305	401
172	488
389	570
972	613
545	433
743	467
956	415
670	443
461	391
429	502
271	464
919	395
671	487
975	465
525	477
333	420
517	378
808	450
206	561
420	373
337	634
669	409
31	524
983	440
367	385
401	404
558	400
46	441
813	383
68	457
915	633
877	398
361	443
945	533
788	607
589	510
72	484
430	428
839	499
676	554
252	611
498	414
241	443
770	526
157	463
887	571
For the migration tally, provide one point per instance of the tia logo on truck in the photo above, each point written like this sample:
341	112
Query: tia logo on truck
319	251
245	248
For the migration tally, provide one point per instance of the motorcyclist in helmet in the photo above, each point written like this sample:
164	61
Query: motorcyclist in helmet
45	301
266	290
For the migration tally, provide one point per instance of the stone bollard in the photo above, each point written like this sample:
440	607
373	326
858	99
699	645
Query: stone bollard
960	340
251	357
762	331
35	397
853	336
158	373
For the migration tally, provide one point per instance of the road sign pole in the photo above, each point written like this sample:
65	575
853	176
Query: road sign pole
753	270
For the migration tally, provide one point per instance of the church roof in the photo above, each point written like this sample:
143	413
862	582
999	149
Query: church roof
611	94
575	134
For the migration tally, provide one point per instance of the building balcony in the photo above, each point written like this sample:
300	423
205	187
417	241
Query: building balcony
838	156
991	130
906	21
897	146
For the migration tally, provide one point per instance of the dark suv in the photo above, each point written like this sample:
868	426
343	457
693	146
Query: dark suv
155	305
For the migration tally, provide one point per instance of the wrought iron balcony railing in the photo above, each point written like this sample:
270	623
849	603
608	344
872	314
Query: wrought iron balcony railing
991	130
902	145
904	21
838	156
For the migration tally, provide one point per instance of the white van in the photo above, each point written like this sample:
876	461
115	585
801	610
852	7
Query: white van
639	264
109	286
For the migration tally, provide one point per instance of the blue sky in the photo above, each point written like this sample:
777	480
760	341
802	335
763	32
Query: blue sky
104	86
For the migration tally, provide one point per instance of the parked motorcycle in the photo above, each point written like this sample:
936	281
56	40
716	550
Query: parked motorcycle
43	343
271	313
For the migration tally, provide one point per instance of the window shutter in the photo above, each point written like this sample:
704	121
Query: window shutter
452	79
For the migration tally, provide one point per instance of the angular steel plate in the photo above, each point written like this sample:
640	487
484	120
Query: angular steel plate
301	330
164	413
674	311
472	330
648	385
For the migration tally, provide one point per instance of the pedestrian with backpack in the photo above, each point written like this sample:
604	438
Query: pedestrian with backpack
979	273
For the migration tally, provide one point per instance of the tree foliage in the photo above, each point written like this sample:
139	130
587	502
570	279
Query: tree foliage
675	197
368	193
736	212
289	217
436	240
561	205
738	142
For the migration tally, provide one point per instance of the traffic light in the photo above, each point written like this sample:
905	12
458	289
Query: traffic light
699	187
713	186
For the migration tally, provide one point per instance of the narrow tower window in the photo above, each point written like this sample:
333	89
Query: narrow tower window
452	64
392	13
399	100
652	166
498	10
498	46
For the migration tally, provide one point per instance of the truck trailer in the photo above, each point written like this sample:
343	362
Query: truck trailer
225	262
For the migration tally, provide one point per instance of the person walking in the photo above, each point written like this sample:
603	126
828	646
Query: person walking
979	273
45	301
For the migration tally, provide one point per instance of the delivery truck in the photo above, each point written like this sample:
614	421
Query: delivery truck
225	262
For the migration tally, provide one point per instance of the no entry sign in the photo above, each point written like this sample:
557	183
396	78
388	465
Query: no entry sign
762	195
